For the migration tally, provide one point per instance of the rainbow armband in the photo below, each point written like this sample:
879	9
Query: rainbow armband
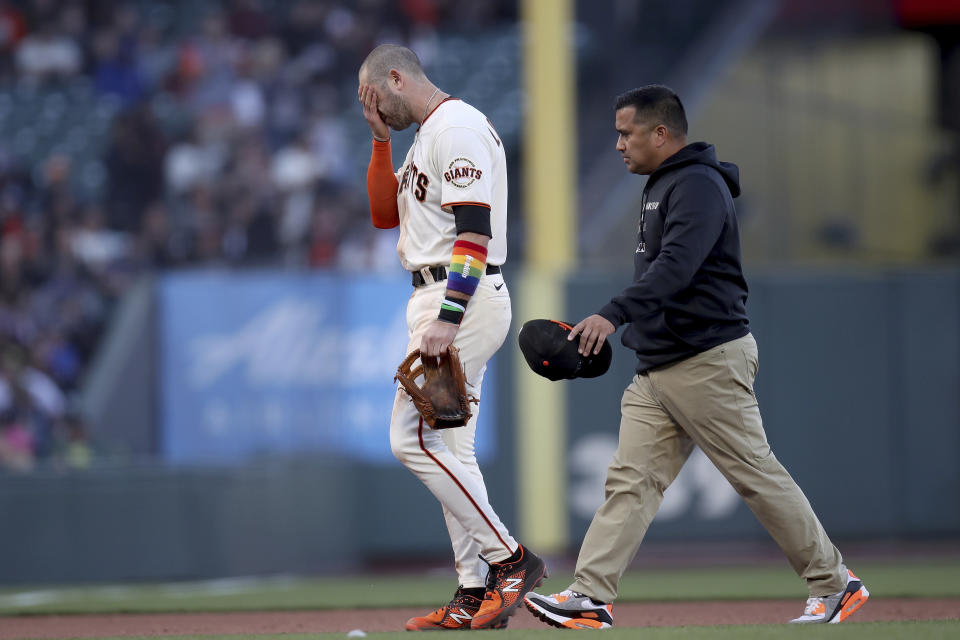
466	267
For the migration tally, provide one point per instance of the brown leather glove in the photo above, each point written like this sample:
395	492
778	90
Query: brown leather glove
442	400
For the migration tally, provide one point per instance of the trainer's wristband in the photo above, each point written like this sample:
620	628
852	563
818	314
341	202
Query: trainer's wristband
452	310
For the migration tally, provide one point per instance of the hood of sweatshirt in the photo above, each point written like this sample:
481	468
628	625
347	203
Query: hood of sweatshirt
700	153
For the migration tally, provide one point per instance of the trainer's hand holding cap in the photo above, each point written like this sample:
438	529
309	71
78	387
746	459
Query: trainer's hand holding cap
548	352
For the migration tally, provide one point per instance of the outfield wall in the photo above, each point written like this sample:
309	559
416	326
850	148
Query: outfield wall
859	386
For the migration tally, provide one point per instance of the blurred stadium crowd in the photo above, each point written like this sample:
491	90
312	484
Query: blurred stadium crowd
160	134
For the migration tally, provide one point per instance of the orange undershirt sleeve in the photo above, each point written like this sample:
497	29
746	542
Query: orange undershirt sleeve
382	187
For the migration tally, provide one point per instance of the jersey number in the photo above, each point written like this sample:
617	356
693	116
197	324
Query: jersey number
416	180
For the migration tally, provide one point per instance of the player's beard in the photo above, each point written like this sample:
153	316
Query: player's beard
395	113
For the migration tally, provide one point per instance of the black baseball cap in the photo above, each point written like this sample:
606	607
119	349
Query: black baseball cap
548	352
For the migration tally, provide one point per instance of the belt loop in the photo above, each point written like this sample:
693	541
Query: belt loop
427	275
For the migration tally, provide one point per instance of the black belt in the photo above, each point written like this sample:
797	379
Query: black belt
440	273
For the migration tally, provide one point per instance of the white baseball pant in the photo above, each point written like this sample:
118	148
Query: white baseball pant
444	460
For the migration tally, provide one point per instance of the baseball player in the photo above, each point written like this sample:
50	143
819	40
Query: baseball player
450	200
696	363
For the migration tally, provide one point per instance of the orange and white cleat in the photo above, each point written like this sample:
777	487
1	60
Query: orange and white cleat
507	583
456	615
570	610
835	608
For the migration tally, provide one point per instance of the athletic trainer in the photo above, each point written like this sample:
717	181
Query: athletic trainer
696	364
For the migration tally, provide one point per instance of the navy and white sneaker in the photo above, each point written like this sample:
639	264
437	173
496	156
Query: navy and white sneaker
570	610
835	608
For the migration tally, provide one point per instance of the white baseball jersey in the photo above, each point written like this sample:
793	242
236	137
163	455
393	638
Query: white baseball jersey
456	158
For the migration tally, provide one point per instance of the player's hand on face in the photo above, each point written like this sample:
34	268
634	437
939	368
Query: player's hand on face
368	98
438	337
592	330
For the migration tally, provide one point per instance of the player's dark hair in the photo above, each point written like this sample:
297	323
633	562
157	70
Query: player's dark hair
656	104
391	56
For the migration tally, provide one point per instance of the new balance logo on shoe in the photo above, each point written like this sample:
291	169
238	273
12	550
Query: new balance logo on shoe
507	583
455	615
511	585
461	618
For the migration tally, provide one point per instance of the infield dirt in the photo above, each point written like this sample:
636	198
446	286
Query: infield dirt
646	614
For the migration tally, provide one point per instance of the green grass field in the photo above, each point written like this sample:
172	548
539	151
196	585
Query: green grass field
886	580
865	631
909	580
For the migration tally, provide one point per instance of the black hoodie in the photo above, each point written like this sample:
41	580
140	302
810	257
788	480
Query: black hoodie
688	293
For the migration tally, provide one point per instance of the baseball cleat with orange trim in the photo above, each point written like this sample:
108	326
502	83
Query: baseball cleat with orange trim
835	608
456	615
570	610
507	583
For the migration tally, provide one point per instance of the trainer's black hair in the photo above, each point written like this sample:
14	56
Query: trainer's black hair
391	56
656	104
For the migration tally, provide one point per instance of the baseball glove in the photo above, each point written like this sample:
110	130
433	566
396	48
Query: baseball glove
442	400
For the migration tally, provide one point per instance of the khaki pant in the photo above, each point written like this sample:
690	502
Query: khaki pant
706	400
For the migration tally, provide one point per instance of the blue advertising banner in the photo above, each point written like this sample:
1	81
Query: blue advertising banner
266	363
